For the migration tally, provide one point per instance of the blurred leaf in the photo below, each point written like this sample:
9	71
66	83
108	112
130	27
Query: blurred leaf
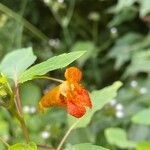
21	146
142	117
121	5
84	46
53	63
81	135
142	134
4	130
17	61
99	99
143	146
140	62
2	146
87	146
126	14
118	137
121	51
28	96
9	36
144	7
125	10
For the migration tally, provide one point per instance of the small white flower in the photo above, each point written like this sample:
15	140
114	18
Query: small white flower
46	1
60	1
113	30
143	90
32	109
54	42
45	134
133	83
119	114
26	109
113	102
119	107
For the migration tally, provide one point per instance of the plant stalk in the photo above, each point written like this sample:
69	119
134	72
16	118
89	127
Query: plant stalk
5	143
22	123
66	135
18	114
49	78
44	147
18	99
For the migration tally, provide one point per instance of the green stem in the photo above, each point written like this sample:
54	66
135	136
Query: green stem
56	16
49	78
12	109
67	36
70	10
18	101
64	26
24	129
95	31
19	116
66	135
44	147
19	27
26	23
22	123
5	143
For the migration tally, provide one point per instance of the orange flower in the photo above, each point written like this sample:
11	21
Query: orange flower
70	94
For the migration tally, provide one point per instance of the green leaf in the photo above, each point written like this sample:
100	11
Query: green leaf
143	145
123	4
21	146
16	62
99	99
140	62
125	15
144	7
118	137
142	117
122	49
4	129
87	146
53	63
82	46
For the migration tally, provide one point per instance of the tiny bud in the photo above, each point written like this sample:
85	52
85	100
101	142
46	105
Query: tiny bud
119	107
94	16
54	42
143	90
46	1
60	1
26	109
114	32
45	134
113	102
119	114
133	83
32	109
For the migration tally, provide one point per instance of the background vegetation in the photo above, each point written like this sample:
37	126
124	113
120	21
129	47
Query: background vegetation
115	35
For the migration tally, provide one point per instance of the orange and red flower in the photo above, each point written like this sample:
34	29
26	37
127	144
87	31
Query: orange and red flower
70	94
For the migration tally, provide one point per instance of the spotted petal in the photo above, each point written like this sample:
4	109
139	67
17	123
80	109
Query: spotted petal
75	110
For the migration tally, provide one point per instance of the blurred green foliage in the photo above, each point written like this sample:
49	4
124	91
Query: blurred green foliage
115	34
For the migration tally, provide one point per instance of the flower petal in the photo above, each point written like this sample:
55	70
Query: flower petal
85	100
52	98
73	74
75	110
82	96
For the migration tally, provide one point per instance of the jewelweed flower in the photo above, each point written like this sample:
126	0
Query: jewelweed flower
69	94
